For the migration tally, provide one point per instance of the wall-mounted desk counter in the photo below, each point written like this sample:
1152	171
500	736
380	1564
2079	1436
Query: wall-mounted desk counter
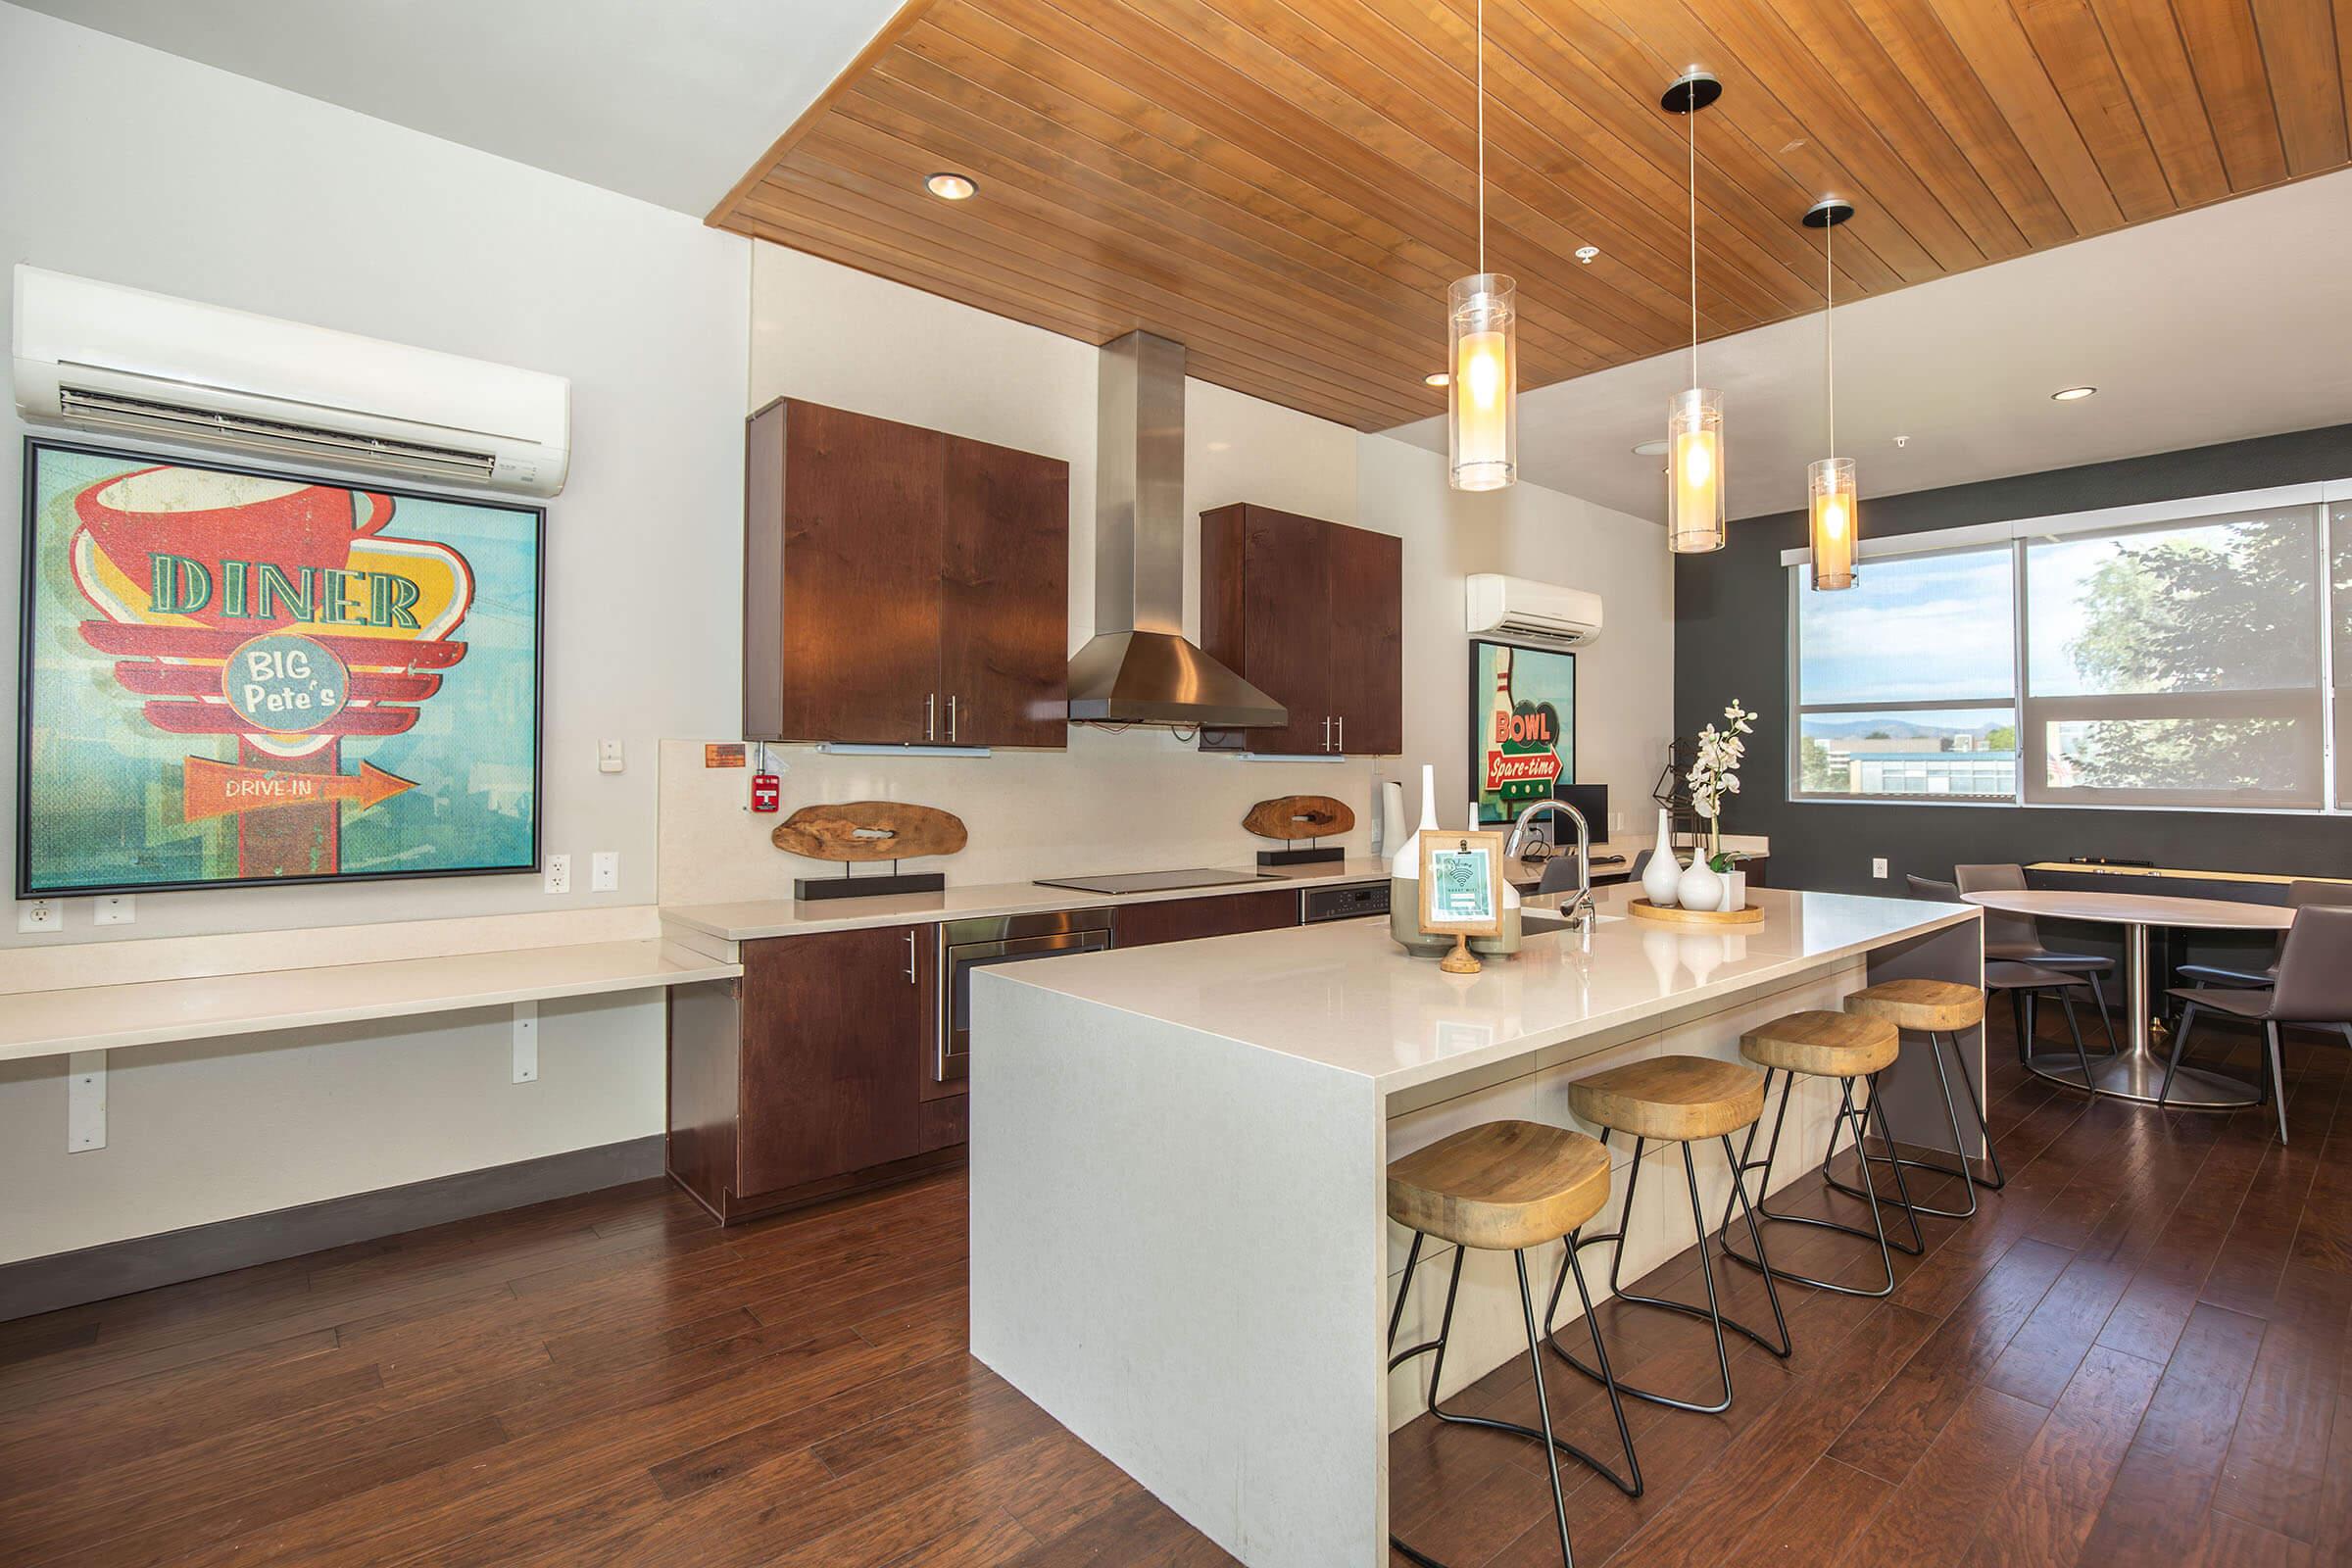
106	1017
2250	887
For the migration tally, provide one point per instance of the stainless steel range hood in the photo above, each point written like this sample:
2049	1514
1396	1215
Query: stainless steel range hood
1139	668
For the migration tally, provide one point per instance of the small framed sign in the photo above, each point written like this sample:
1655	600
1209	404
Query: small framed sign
1461	892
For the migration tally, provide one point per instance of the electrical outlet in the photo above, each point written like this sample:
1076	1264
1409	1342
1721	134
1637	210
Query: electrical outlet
603	871
1878	868
559	873
40	914
608	758
1616	821
120	909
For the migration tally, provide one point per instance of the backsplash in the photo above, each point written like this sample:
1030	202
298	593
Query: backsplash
1126	801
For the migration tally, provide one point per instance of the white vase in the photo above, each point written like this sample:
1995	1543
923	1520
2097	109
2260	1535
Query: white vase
1734	888
1406	863
1658	878
1700	888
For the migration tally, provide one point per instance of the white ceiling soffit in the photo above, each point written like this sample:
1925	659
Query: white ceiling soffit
669	103
2229	321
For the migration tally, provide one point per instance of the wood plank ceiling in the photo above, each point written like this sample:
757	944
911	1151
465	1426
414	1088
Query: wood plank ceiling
1286	185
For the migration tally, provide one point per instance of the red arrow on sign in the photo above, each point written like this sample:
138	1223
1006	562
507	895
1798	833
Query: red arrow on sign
221	789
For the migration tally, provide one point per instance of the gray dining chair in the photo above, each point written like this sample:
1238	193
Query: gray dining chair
2300	894
2017	937
2314	986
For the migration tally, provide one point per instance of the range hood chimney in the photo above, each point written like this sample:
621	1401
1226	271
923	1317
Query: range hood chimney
1139	668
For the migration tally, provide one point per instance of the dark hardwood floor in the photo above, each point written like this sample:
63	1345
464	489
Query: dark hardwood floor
2132	1355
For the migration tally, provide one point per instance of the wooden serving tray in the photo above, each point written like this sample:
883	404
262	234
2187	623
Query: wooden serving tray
1643	910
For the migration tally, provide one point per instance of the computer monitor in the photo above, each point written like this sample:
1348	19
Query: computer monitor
1592	800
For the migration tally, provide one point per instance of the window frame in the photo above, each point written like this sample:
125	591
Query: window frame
1800	710
2331	796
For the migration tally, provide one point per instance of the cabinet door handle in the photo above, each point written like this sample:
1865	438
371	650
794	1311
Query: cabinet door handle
911	958
951	717
1327	732
930	715
1342	746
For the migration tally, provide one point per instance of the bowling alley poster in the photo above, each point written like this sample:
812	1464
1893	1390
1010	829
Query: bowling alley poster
1521	724
233	677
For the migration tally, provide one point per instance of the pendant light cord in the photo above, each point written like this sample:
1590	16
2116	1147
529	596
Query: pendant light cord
1829	324
1691	115
1482	136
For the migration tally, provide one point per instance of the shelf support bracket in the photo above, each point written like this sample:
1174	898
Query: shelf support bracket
527	1041
85	1102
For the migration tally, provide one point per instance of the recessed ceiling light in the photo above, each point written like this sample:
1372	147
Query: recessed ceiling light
1650	449
1585	253
1437	378
2073	394
950	187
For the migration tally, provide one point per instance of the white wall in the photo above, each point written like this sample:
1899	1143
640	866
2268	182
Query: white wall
1624	680
131	166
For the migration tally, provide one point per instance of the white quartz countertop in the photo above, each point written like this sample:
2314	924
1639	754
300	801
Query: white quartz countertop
1347	997
754	918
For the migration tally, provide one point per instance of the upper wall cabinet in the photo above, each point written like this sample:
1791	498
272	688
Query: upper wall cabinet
902	586
1311	613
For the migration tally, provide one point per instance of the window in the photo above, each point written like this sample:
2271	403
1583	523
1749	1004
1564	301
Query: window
2186	659
1906	682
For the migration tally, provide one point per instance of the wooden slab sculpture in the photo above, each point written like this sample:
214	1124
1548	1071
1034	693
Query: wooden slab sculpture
1291	817
869	830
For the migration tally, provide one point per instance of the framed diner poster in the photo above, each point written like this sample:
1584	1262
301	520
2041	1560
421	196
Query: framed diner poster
1523	725
232	677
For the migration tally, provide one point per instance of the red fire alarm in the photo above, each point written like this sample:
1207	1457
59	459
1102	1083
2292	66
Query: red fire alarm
767	791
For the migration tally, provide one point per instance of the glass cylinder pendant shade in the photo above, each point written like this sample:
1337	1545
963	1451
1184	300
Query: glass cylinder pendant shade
1482	401
1835	511
1694	472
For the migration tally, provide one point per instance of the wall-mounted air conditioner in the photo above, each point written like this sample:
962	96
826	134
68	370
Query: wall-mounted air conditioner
1527	611
127	362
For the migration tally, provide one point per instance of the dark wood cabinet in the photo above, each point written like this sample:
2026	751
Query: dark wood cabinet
806	1077
1312	613
1141	925
901	586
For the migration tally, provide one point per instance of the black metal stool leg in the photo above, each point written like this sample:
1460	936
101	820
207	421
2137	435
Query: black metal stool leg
1763	1210
1712	1314
1975	1108
1536	1338
1951	1114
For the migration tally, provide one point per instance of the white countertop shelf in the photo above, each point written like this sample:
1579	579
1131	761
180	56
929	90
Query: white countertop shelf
101	1017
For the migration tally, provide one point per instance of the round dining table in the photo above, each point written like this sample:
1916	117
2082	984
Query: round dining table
2135	1071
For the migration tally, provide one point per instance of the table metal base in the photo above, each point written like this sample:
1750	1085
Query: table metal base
2132	1075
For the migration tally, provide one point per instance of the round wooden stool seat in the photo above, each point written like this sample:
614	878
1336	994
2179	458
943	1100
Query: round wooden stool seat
1677	1099
1931	1007
1502	1186
1827	1044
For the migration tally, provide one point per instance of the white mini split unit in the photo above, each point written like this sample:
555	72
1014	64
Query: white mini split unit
1538	613
127	362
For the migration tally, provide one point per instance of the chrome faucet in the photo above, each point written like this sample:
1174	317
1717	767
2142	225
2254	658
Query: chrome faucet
1580	911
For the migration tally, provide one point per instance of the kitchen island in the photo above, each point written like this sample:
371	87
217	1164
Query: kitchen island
1179	1241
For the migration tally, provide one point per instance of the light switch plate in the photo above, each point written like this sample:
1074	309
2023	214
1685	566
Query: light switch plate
40	914
608	758
117	909
559	873
603	871
1878	867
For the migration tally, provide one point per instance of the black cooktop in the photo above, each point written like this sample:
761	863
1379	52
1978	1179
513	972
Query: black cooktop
1154	881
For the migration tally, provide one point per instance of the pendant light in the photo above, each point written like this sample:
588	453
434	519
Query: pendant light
1482	398
1695	419
1834	508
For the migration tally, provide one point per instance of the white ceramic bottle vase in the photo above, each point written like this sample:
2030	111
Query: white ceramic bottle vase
1406	862
1661	877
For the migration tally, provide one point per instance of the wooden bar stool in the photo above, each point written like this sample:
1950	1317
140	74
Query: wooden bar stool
1504	1186
1674	1099
1938	1010
1848	1046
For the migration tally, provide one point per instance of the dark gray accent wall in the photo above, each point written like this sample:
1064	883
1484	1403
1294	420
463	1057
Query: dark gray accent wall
1731	612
